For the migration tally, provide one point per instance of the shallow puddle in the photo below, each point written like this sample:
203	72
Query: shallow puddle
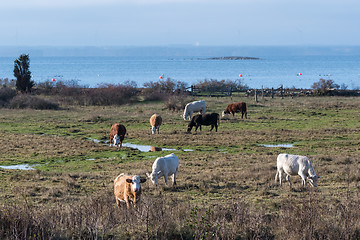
284	145
19	167
147	148
142	148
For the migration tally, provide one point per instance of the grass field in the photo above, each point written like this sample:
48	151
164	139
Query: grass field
225	188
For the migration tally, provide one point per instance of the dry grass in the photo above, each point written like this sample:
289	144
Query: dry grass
226	186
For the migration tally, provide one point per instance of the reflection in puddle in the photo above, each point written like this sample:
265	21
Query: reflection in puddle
285	145
155	149
147	148
19	167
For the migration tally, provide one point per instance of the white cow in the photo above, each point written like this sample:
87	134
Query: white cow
196	106
293	165
164	166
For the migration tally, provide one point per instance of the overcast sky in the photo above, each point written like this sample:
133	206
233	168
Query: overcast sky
168	22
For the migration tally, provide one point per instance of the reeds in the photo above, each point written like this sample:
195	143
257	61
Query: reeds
162	217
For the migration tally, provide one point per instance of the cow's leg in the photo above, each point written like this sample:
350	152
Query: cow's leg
117	202
166	178
288	179
280	177
127	202
212	126
134	201
303	177
216	126
174	178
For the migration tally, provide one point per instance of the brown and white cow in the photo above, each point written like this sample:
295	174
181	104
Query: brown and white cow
236	107
155	122
127	189
117	134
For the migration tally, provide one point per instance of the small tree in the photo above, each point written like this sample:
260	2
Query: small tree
23	74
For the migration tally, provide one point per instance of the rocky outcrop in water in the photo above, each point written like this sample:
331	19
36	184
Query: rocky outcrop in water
233	58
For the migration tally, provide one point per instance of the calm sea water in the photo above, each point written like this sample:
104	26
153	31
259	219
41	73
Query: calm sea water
269	71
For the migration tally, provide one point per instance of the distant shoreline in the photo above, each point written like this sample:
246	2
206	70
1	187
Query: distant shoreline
232	58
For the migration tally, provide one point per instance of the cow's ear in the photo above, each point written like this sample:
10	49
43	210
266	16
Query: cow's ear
142	180
129	180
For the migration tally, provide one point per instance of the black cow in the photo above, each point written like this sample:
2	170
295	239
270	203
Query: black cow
204	119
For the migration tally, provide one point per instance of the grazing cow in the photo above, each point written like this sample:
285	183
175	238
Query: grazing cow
204	119
117	134
127	188
164	166
236	107
155	122
196	106
293	165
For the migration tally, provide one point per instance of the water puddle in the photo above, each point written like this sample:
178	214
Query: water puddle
284	145
147	148
19	167
142	148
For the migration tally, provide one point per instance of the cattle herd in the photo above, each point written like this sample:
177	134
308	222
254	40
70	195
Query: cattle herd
127	188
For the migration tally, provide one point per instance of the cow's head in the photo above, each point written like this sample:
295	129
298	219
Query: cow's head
153	129
153	177
190	126
135	182
313	180
118	139
224	112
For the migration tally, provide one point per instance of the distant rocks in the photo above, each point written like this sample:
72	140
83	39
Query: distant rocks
232	58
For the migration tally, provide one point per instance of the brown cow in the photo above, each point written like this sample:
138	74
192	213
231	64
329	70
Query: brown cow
127	188
236	107
155	122
117	134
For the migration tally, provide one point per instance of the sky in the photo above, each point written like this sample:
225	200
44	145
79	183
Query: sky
179	22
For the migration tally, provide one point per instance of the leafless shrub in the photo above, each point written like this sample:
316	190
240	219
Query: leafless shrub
163	89
6	94
29	101
323	87
213	85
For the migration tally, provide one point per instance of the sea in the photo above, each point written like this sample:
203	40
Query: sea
273	66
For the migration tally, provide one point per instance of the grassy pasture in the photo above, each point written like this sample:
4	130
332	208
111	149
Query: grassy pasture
225	167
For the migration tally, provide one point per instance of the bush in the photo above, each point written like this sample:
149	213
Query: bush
6	94
162	89
214	85
323	87
28	101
